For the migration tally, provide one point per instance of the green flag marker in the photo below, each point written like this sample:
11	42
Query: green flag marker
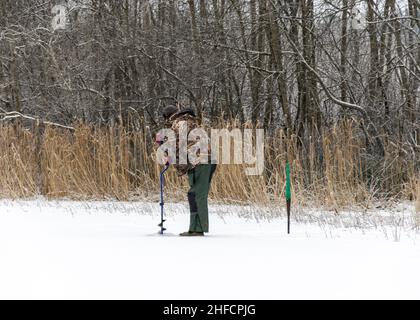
288	191
288	195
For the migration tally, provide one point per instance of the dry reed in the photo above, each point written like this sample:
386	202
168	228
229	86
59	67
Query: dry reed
333	170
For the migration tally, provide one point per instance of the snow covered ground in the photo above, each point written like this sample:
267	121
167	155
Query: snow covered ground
110	250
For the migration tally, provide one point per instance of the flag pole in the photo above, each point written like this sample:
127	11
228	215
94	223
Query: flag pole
288	195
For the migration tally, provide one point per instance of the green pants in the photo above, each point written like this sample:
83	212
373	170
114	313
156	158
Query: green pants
199	179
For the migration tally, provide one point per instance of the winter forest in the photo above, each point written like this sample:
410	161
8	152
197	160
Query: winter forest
88	212
335	84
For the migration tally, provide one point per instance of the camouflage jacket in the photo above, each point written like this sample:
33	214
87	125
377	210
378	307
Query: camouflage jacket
188	122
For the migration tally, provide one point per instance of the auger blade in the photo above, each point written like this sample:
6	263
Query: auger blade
161	224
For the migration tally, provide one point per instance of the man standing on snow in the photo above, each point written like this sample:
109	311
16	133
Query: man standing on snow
199	174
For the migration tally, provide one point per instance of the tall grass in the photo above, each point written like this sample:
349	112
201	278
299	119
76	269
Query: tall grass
332	170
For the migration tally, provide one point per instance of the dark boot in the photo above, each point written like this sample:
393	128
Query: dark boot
191	234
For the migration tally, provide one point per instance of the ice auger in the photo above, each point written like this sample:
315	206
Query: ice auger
161	198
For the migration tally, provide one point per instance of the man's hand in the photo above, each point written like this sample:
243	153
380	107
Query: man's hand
160	139
181	169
